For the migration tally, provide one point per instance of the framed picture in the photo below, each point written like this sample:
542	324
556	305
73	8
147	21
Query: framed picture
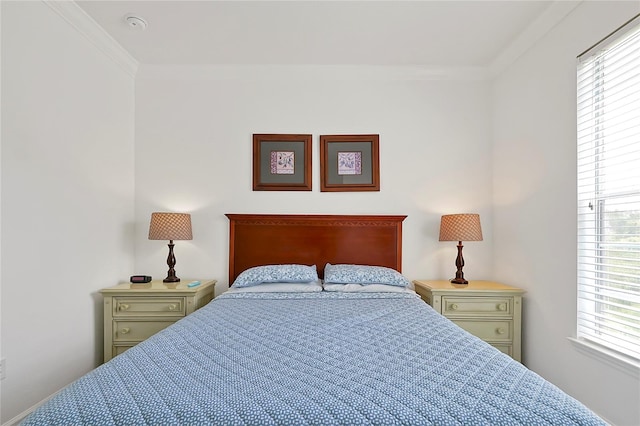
349	163
281	162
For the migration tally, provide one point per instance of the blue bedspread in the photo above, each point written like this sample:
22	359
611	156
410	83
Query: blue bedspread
313	359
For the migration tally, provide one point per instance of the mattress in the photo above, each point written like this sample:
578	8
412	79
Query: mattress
313	359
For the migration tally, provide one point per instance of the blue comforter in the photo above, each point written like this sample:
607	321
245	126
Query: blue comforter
313	359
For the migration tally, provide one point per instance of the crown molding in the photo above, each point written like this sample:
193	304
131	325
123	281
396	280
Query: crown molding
310	72
85	25
555	13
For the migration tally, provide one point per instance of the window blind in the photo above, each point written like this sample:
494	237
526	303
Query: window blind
608	186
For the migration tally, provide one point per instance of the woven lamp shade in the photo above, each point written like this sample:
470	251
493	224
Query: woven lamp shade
460	227
170	226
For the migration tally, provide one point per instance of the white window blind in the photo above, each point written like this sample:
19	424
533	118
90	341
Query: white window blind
609	192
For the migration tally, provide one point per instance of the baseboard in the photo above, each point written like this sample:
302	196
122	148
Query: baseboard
20	417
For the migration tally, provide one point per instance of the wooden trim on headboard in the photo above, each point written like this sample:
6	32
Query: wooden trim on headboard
263	239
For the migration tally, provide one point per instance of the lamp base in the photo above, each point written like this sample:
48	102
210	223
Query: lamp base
459	279
171	262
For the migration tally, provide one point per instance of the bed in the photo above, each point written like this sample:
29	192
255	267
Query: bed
372	355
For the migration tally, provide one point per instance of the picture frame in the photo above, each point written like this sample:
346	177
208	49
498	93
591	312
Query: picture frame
281	162
349	163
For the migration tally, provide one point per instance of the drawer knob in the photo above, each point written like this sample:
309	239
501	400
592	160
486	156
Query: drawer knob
125	330
123	306
173	307
500	330
502	307
454	307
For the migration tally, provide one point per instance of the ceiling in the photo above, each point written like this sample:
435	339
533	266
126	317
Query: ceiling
453	34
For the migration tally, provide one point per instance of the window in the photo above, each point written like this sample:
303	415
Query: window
609	192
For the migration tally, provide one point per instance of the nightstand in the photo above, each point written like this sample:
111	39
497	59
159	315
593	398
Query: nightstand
486	309
133	313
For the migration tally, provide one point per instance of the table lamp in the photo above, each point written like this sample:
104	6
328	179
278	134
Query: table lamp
460	227
170	226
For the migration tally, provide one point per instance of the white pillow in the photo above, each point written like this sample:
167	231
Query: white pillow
369	288
279	288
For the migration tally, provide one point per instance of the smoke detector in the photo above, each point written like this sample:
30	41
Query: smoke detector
135	22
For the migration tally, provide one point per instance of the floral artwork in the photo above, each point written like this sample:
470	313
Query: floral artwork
349	163
282	162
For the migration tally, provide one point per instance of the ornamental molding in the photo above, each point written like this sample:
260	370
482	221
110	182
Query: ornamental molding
314	220
85	25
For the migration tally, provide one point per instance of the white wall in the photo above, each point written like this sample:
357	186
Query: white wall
68	161
67	199
194	129
534	184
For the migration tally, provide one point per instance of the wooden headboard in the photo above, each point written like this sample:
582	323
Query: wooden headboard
267	239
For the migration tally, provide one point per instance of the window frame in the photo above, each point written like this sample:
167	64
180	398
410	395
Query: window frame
602	323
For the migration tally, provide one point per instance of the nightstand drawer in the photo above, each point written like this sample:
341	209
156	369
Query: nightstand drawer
137	331
504	348
144	306
133	313
460	306
489	330
488	310
117	350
